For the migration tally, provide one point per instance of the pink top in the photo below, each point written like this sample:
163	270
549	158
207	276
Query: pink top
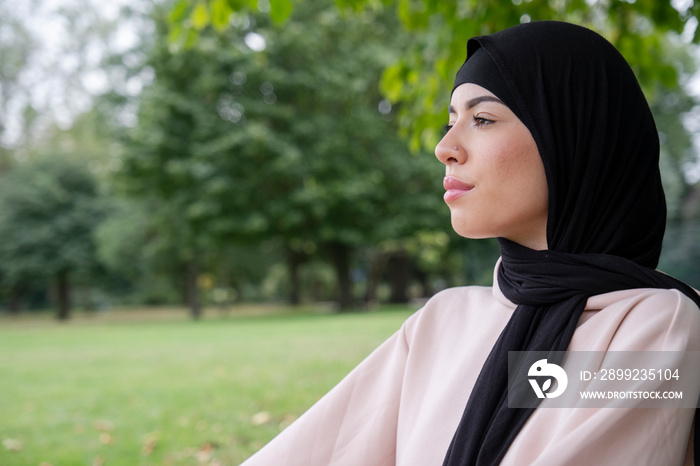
402	404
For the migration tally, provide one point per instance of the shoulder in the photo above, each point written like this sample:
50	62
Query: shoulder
649	302
452	302
458	311
646	300
645	318
459	295
672	314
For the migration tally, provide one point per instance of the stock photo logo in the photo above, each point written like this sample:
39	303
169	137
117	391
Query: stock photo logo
541	369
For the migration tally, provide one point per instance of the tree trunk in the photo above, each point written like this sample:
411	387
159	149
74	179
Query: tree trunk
399	268
374	277
63	295
15	303
238	291
183	280
87	302
193	290
294	261
426	292
340	255
225	284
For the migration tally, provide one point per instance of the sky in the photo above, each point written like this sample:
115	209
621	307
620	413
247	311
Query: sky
63	73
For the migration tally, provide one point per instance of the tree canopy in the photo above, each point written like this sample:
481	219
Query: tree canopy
49	210
421	76
263	149
291	143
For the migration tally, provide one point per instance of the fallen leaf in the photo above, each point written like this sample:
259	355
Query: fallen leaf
104	425
287	420
204	453
148	447
263	417
150	441
12	444
203	456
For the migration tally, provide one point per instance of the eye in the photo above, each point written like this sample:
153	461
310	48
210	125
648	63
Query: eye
446	128
481	121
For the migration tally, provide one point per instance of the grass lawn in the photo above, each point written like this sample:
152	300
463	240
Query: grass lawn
169	391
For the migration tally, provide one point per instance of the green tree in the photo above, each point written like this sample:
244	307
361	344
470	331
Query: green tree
172	155
133	255
422	74
653	36
354	183
49	209
291	143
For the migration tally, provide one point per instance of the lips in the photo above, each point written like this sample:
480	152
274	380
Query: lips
455	188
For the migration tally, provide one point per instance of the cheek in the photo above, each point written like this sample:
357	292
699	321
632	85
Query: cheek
520	172
513	162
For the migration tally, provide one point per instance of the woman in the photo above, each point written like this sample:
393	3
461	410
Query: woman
551	148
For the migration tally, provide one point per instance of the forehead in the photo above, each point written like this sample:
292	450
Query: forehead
469	95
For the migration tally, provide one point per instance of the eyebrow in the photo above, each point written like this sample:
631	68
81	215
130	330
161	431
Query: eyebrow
476	101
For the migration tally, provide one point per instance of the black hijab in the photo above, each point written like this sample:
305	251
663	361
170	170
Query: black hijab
598	142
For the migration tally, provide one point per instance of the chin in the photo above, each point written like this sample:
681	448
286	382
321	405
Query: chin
463	229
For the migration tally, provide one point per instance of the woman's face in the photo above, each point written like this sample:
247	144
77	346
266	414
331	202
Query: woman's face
495	181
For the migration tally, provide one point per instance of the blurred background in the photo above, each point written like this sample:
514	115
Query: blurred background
210	153
260	167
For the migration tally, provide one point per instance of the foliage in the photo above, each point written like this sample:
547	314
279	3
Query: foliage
292	144
129	250
670	108
49	209
681	252
423	73
648	34
259	153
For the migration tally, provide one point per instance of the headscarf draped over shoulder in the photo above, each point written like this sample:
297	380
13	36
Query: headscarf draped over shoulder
607	212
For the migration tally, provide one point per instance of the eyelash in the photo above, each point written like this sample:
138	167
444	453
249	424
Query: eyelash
480	121
477	121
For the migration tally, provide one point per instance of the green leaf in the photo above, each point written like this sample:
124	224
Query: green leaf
220	12
238	5
391	82
200	16
179	11
280	10
176	36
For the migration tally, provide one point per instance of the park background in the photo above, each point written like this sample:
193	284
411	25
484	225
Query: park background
211	210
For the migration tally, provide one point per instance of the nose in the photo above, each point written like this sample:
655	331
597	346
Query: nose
449	151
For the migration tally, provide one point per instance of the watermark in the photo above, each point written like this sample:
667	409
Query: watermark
604	379
549	371
631	395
